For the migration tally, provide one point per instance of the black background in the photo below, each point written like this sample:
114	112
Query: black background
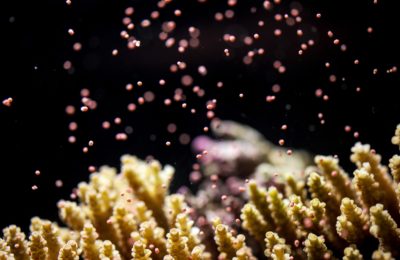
34	130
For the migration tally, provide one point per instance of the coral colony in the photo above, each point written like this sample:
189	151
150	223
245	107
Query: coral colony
287	210
254	199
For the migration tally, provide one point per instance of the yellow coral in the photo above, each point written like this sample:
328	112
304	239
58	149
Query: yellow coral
69	251
175	204
279	212
295	187
154	235
316	212
142	212
50	233
385	229
177	245
36	225
225	241
38	247
315	247
197	253
394	165
352	223
72	214
108	251
15	239
298	211
139	251
272	240
124	223
396	137
369	160
336	175
258	197
90	244
253	222
185	225
150	184
6	256
279	253
381	255
368	189
352	253
126	215
320	189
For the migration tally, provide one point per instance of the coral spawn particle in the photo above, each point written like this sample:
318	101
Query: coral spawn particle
270	99
59	183
121	137
70	110
71	139
8	102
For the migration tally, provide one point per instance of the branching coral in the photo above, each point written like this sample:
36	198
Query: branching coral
275	245
315	247
351	224
131	215
396	137
38	249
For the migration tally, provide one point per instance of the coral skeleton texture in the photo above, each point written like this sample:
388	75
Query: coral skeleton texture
298	212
